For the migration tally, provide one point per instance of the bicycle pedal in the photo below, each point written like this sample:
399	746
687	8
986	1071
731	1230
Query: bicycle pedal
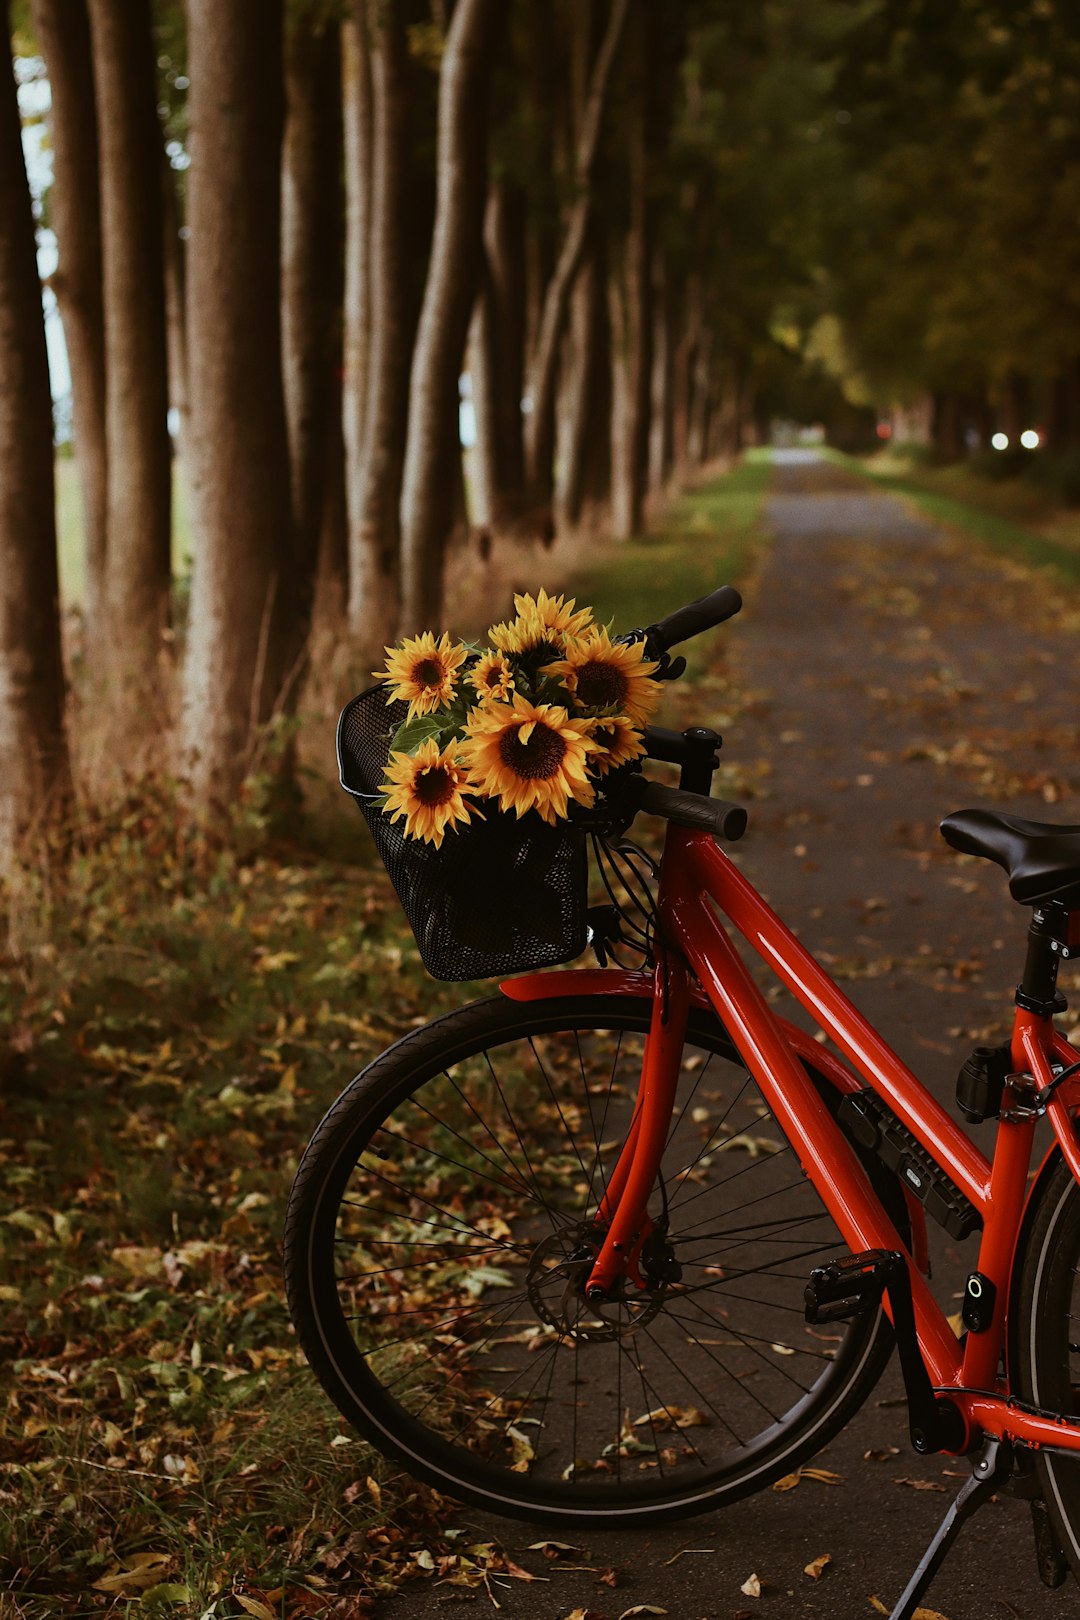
849	1286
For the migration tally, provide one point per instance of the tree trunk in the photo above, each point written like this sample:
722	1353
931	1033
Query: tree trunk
586	473
32	744
356	101
175	311
662	408
138	569
945	427
63	31
311	274
244	639
697	435
539	444
497	358
375	495
433	442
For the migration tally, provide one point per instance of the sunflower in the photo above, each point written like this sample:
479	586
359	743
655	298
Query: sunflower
492	676
602	674
427	789
619	741
423	672
542	626
529	756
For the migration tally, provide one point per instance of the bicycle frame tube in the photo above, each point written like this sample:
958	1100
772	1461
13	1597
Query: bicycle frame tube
698	881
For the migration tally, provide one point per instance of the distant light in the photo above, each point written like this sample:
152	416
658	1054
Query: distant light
884	430
1029	439
1000	441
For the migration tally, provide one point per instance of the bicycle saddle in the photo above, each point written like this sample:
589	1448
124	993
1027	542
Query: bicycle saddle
1042	860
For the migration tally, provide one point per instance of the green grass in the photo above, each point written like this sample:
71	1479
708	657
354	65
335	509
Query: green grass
69	530
707	539
987	512
177	1009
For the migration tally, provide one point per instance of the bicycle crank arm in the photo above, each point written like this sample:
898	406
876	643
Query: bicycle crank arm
855	1284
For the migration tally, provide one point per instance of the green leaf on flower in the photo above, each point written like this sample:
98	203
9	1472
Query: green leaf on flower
420	729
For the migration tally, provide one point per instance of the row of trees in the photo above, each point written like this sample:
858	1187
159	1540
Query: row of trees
634	231
955	264
298	227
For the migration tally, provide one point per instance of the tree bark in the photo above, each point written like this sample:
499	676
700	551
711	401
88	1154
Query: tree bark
538	440
375	487
586	475
311	274
138	570
32	742
357	105
244	638
63	31
433	438
497	357
662	407
175	310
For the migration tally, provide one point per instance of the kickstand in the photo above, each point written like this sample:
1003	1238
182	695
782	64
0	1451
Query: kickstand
990	1469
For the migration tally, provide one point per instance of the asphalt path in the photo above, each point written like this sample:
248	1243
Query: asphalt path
894	673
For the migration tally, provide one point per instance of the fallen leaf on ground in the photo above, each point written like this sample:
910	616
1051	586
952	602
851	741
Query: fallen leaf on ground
752	1586
641	1608
554	1549
877	1605
822	1475
143	1569
254	1606
923	1484
817	1566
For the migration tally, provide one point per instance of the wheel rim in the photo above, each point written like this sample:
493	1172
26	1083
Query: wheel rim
453	1238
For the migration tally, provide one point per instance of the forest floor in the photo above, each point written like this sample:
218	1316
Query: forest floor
176	1011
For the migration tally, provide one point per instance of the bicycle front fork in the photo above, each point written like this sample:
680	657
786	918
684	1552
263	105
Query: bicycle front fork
623	1207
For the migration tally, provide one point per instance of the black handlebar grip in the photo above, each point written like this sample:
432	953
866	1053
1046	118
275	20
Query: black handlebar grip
691	620
718	816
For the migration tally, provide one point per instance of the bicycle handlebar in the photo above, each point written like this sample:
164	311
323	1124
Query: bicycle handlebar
704	614
718	816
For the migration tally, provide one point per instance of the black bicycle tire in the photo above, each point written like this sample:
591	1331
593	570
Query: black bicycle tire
1038	1317
414	1056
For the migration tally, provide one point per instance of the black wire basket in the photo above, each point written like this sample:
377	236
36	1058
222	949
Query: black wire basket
499	896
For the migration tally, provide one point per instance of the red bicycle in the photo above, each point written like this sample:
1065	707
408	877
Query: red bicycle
621	1244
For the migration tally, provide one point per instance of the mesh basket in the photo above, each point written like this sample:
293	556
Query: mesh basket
499	896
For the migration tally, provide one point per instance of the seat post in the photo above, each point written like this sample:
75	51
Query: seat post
1037	991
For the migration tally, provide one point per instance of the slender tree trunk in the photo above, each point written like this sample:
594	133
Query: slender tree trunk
63	31
175	309
138	570
433	440
497	356
586	473
697	437
32	743
374	503
945	426
356	101
539	444
244	637
332	570
632	462
662	409
311	274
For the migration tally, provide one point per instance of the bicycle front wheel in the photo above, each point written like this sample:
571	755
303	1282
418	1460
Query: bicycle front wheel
439	1235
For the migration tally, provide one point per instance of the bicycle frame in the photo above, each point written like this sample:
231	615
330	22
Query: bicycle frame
698	881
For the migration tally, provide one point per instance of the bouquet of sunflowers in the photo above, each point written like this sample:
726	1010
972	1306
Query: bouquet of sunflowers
531	721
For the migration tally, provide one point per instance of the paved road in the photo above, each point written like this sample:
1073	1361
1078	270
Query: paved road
896	674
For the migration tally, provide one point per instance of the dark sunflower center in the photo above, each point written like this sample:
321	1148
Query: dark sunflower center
493	677
428	672
434	786
600	685
606	736
545	652
537	759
